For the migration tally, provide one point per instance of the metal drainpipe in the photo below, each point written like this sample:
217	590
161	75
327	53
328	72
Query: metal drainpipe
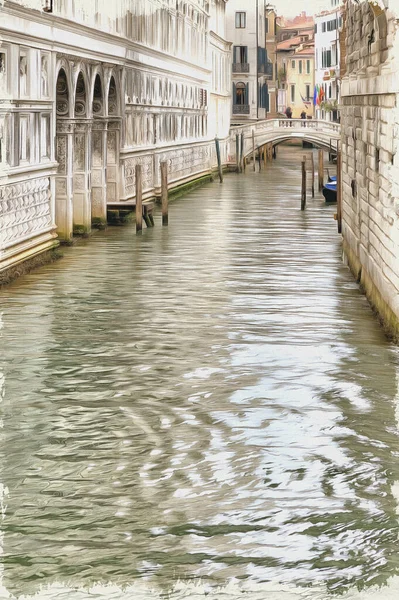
265	16
257	66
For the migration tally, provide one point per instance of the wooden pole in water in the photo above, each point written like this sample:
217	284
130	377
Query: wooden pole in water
244	163
321	170
219	160
139	200
265	154
339	192
237	152
164	192
242	152
303	192
312	167
253	149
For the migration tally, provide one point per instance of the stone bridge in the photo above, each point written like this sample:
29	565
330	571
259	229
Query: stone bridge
323	134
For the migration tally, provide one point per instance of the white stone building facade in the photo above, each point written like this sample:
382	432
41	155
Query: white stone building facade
89	89
327	59
251	69
370	158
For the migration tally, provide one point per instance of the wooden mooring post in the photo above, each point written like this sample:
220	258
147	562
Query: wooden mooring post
220	171
164	192
253	149
321	170
238	152
265	154
303	191
242	152
312	168
139	199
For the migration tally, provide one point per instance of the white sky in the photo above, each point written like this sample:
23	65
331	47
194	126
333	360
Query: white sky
292	8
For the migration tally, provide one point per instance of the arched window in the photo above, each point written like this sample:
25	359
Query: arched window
241	95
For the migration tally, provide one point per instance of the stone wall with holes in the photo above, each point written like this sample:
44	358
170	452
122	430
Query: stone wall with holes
370	162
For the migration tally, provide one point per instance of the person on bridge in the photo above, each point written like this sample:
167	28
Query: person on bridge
288	113
303	117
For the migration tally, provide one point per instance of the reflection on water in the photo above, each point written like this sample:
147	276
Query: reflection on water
213	402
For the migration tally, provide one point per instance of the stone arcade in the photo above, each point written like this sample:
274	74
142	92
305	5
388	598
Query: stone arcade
89	89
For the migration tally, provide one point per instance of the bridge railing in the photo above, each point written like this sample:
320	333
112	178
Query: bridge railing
283	123
326	131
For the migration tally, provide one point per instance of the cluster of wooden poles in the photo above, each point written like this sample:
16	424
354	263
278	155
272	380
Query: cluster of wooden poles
338	215
267	152
145	211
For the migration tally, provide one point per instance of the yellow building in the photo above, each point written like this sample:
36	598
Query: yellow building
271	51
296	70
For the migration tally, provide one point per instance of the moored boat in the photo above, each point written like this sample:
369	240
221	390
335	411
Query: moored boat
330	191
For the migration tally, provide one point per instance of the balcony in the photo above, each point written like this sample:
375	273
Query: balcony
266	70
240	67
241	109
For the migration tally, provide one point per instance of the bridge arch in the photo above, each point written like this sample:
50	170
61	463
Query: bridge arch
323	134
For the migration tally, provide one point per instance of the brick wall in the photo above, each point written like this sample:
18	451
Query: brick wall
370	164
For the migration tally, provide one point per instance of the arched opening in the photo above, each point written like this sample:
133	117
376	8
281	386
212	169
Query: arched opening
113	143
98	156
98	100
81	160
80	97
64	156
112	98
241	93
62	93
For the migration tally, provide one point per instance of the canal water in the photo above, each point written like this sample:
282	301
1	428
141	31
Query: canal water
207	410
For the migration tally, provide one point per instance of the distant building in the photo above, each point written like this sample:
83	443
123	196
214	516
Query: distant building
327	59
295	65
251	69
271	52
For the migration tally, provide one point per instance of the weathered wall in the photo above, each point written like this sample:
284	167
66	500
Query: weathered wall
370	163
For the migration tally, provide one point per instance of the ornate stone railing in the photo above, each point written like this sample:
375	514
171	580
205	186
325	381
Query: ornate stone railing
241	109
240	67
25	210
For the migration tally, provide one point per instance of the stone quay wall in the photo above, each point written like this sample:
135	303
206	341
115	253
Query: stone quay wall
370	161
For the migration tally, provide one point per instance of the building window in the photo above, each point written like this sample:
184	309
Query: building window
323	27
315	28
307	92
300	67
332	25
325	59
241	95
293	64
293	93
241	19
266	25
308	67
240	54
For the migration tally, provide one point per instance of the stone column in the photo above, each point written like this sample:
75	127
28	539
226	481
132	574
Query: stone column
99	171
113	146
64	179
82	177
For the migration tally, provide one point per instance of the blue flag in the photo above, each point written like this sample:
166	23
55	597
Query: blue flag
315	94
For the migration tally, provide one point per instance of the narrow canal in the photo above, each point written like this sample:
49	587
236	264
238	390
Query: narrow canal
207	409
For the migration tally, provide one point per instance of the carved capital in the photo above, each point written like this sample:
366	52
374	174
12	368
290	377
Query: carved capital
65	126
